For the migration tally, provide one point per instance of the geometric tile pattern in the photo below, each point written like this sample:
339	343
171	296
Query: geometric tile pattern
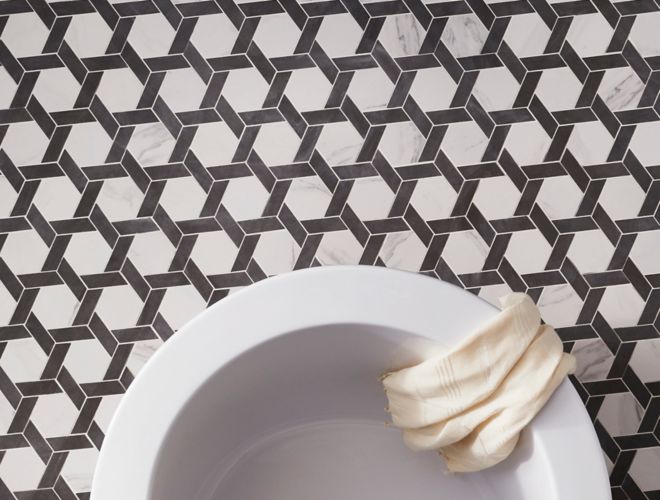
156	157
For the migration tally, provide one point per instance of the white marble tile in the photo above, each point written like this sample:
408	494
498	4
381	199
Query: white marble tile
620	414
465	252
594	360
559	197
151	35
644	142
7	88
622	197
87	253
433	88
141	353
214	35
621	89
403	251
339	247
151	144
54	415
87	361
21	469
88	144
79	468
180	305
646	360
496	197
245	198
182	90
528	251
7	413
558	89
276	252
402	143
559	305
56	198
277	143
493	293
644	35
183	198
308	198
214	144
464	35
591	251
25	143
464	143
24	252
119	199
589	34
23	360
401	35
214	252
119	307
151	253
621	306
277	35
433	198
644	468
7	305
495	89
299	85
106	410
590	143
371	198
88	35
338	46
370	89
56	89
339	143
56	306
245	89
527	35
644	252
24	34
119	90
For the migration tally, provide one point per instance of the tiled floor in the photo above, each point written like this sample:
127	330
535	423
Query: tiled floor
156	157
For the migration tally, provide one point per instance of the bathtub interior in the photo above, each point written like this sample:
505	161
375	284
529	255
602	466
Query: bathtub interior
302	416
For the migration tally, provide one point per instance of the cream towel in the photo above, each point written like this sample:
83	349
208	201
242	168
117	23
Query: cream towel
471	402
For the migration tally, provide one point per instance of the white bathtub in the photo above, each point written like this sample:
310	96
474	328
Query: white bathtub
273	394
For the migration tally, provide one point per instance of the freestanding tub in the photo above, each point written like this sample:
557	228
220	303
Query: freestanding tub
273	394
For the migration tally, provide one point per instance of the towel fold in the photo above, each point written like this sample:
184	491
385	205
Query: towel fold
471	402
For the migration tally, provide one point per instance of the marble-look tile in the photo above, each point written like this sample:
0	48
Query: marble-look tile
7	306
560	305
54	415
88	35
23	360
79	468
464	35
343	45
558	89
151	144
243	207
644	252
7	413
433	198
622	198
496	197
465	252
245	89
339	247
646	359
277	35
308	198
214	144
87	361
371	198
591	251
402	143
496	89
7	88
401	35
151	253
181	304
621	306
182	90
339	143
24	252
87	253
106	410
140	354
464	143
370	89
621	89
24	34
620	414
88	144
590	143
57	198
277	144
644	142
528	251
21	469
300	81
214	35
151	35
644	468
119	307
527	35
594	360
183	198
433	88
493	293
120	199
56	89
25	143
55	306
214	253
644	34
403	251
527	143
119	90
276	252
589	34
559	197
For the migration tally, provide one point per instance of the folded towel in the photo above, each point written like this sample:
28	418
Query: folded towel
471	402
